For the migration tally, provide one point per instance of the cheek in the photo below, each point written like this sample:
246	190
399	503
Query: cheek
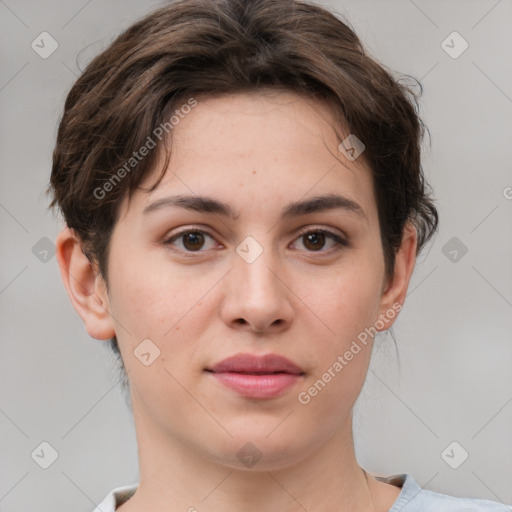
348	300
150	295
349	305
157	302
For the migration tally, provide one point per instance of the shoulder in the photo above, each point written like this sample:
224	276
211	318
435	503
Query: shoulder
413	498
115	498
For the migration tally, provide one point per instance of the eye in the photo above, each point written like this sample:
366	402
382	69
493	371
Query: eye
314	240
192	240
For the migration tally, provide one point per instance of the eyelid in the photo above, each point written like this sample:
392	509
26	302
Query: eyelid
188	229
321	229
340	239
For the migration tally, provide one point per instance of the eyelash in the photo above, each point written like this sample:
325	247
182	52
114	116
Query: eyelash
341	243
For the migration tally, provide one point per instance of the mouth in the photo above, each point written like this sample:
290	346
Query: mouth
259	377
256	365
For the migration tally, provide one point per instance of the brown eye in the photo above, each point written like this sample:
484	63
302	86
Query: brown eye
314	240
190	240
193	240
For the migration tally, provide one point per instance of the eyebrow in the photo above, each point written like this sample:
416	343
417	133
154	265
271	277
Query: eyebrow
205	204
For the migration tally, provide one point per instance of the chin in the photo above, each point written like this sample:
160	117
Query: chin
255	451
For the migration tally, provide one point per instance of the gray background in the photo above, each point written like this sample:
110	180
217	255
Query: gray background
454	382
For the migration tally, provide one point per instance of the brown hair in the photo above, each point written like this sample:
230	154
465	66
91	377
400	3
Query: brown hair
193	48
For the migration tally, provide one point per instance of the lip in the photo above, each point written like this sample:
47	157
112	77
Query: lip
258	377
249	363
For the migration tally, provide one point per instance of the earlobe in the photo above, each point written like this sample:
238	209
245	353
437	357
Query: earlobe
85	286
394	293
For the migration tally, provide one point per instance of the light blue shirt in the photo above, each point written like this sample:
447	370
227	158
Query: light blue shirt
412	498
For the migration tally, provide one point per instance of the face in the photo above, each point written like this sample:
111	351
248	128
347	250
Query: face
266	276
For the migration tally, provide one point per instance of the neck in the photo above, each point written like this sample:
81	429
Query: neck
177	477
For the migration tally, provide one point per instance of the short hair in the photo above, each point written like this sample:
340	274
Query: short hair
208	48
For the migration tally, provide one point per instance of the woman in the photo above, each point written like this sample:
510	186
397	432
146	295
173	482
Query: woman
244	202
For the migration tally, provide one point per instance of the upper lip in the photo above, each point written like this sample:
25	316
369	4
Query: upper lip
249	363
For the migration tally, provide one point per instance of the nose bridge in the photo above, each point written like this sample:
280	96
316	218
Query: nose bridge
256	267
257	294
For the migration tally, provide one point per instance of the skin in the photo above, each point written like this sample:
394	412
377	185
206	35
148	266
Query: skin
306	300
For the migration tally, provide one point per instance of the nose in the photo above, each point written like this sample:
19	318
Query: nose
257	297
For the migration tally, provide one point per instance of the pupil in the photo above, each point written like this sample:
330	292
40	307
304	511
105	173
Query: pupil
196	238
315	238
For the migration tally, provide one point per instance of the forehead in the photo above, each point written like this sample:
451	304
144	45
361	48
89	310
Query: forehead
253	124
247	148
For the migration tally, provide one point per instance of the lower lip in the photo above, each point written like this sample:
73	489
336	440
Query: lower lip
258	386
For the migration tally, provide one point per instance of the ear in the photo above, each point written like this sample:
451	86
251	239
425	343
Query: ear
395	288
86	288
